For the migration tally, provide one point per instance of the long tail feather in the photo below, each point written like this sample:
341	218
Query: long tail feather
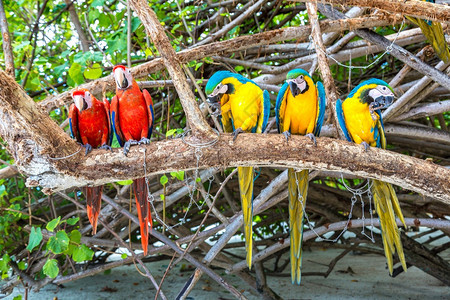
245	175
435	35
387	206
94	204
297	200
143	208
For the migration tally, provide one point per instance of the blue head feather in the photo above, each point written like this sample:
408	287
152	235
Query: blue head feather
369	82
297	72
217	78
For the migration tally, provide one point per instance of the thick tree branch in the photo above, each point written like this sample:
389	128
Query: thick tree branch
155	30
7	50
221	48
33	139
420	9
77	24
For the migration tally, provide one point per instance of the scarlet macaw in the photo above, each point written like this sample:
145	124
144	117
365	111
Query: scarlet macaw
244	108
300	109
361	121
433	31
132	121
90	125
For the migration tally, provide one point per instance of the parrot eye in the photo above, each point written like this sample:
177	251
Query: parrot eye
301	76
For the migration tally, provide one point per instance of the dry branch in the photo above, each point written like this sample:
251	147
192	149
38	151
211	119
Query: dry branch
155	30
420	9
221	48
33	138
441	224
7	50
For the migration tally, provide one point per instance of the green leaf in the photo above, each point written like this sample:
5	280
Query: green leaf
51	268
148	52
124	255
75	74
59	242
82	253
198	179
73	221
170	132
35	238
18	297
162	196
22	266
93	72
163	180
178	175
75	241
125	182
52	224
4	263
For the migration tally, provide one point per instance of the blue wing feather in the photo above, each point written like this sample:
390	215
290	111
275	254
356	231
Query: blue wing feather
113	119
150	129
322	105
266	109
71	129
280	99
341	118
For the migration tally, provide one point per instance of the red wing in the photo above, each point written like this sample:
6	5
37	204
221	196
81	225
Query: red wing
115	120
73	122
149	105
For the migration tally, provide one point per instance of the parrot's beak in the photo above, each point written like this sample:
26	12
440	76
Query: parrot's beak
297	86
384	101
213	99
79	102
121	80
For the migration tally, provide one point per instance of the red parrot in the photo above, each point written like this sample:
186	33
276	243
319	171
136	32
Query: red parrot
90	125
132	122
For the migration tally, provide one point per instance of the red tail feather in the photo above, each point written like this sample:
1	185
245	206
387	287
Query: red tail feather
143	208
94	204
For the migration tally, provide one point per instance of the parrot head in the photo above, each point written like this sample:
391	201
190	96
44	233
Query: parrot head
376	93
216	88
82	99
123	77
298	81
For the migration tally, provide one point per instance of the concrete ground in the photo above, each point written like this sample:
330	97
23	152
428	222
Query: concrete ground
354	277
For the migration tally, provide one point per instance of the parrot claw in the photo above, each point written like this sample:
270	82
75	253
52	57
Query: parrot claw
88	148
236	132
287	135
144	141
366	146
106	147
312	137
127	145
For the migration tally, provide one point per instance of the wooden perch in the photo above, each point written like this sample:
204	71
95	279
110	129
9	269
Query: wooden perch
415	8
35	141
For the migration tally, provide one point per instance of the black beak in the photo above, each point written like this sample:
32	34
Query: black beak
384	101
213	99
124	82
294	89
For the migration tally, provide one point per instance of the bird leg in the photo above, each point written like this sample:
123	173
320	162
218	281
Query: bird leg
287	135
88	148
312	137
106	147
366	146
144	141
236	132
127	145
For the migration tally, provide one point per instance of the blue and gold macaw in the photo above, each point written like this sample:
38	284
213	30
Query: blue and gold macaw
244	108
360	119
300	109
433	31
